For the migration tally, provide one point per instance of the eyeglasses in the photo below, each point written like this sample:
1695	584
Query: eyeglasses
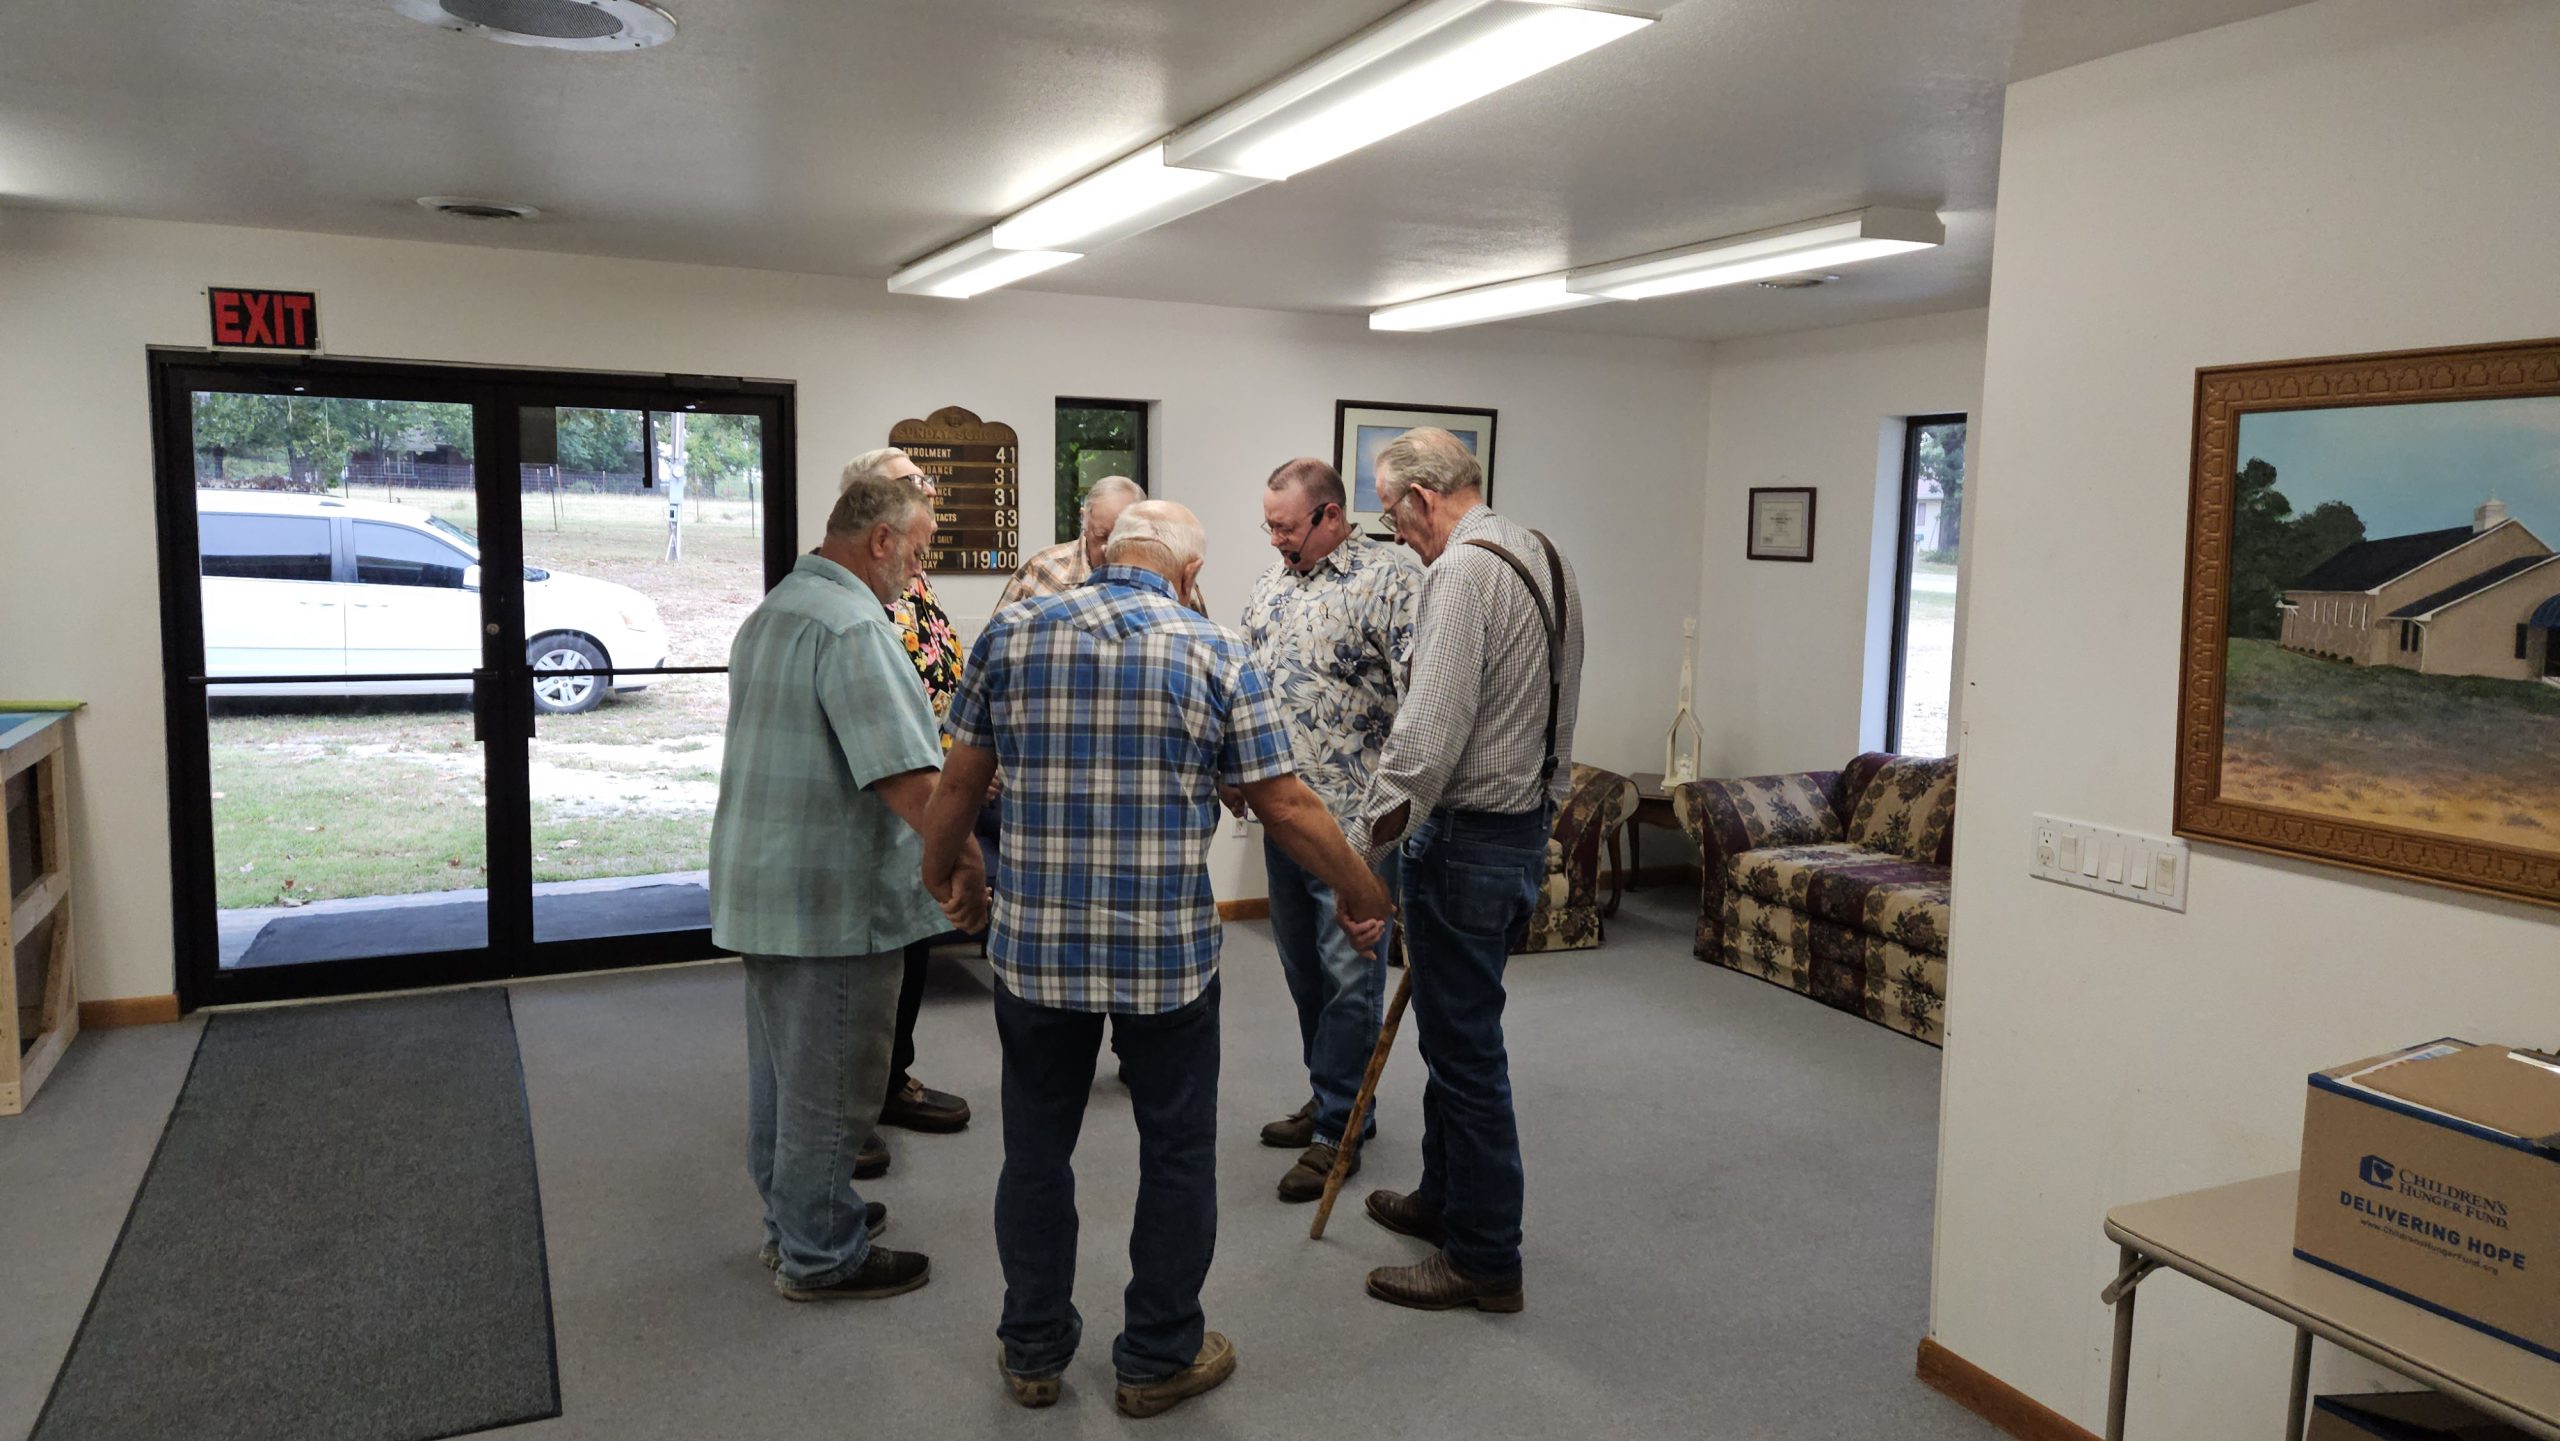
1314	518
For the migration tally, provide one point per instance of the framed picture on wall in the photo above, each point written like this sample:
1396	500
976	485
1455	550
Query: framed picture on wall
2371	665
1362	428
1781	524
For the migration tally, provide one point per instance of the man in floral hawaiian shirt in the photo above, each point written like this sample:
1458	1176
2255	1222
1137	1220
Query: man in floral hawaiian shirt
920	619
1331	627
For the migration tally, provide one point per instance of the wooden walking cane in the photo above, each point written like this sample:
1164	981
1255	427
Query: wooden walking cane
1349	1149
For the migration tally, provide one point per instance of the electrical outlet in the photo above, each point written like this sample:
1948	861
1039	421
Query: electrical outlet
2126	864
1238	825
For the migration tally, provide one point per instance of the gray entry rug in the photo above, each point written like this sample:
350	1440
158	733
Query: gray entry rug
339	1237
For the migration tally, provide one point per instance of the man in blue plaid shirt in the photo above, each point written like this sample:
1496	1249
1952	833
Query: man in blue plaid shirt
1117	714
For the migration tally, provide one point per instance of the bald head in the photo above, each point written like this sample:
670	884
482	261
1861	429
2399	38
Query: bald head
1160	536
1102	506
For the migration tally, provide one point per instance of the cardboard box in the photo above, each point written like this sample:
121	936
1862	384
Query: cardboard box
2431	1174
2401	1416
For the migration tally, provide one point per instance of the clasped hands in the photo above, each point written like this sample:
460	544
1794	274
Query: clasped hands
963	897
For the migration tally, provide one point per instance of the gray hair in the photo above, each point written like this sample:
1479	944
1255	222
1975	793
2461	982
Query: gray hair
1110	487
1319	480
1159	523
869	500
1429	457
870	462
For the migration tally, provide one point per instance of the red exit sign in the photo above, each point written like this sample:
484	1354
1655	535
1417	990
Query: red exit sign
265	319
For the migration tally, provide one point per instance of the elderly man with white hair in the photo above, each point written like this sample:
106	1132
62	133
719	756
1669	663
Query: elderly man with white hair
1467	784
1117	715
1064	566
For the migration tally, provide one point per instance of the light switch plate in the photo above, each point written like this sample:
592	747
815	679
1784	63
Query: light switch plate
2128	864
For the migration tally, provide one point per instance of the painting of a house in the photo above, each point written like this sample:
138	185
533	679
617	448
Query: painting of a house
2475	600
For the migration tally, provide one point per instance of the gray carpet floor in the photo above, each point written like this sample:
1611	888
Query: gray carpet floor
1728	1229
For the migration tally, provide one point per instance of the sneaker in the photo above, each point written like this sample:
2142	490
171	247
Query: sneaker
1305	1180
875	1219
1407	1215
919	1107
1215	1363
873	1159
882	1273
1294	1132
1032	1392
1435	1285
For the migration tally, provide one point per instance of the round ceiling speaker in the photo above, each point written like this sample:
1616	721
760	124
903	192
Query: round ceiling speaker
466	208
550	24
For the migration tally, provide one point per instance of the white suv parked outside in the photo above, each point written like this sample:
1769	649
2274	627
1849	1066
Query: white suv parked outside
342	589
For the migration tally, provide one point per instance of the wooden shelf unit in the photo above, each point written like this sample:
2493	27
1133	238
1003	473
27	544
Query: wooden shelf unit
39	1002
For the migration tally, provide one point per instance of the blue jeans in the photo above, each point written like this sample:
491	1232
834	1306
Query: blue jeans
1470	879
1171	1063
1341	994
818	1035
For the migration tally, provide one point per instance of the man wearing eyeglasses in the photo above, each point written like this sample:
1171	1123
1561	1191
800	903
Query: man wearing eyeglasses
1331	626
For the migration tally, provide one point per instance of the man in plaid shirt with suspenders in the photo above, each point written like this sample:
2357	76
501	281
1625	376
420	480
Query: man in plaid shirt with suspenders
1468	785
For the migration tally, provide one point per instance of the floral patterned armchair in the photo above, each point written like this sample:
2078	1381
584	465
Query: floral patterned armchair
1568	914
1832	883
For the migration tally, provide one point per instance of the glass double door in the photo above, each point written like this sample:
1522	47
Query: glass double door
446	664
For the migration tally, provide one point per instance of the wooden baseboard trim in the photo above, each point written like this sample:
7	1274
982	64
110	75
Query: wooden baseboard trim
1992	1399
1254	910
128	1011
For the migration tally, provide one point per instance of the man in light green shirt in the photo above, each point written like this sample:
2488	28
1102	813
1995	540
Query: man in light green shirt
817	880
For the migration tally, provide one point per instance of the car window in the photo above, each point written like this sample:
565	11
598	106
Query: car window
397	555
264	547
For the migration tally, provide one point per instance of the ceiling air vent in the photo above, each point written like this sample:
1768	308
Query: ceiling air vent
470	209
1805	281
551	24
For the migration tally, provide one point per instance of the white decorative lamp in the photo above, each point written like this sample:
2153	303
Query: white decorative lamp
1677	765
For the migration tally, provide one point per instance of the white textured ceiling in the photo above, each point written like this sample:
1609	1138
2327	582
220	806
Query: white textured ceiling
850	136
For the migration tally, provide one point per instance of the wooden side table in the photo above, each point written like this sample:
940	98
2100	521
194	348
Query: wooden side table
40	1012
1653	808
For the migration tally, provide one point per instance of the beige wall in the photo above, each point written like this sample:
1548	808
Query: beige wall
2477	634
2343	177
1237	391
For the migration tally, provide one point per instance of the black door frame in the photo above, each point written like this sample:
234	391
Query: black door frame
503	708
1912	425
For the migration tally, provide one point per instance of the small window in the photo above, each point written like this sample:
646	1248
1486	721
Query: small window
397	555
1097	438
2524	639
263	547
1921	690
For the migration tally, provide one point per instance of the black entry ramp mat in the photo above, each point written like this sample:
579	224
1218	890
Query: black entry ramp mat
464	925
339	1237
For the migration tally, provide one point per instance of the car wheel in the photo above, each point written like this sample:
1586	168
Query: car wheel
556	694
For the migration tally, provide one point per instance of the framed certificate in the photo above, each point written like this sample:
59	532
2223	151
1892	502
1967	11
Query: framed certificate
1781	523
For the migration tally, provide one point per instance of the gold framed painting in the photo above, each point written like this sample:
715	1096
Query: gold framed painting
2371	661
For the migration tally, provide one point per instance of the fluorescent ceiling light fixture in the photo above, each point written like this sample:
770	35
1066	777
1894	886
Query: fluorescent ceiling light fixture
1116	202
1813	245
973	266
1535	296
1425	60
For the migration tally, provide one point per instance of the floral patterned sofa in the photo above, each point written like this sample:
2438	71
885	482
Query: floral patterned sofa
1568	914
1832	883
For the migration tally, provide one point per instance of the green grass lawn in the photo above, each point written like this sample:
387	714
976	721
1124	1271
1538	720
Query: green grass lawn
2466	755
319	800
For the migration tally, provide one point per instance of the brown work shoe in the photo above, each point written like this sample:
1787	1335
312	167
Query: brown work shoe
1435	1285
1029	1391
882	1273
919	1107
1215	1363
873	1159
1305	1180
1404	1214
1293	1132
